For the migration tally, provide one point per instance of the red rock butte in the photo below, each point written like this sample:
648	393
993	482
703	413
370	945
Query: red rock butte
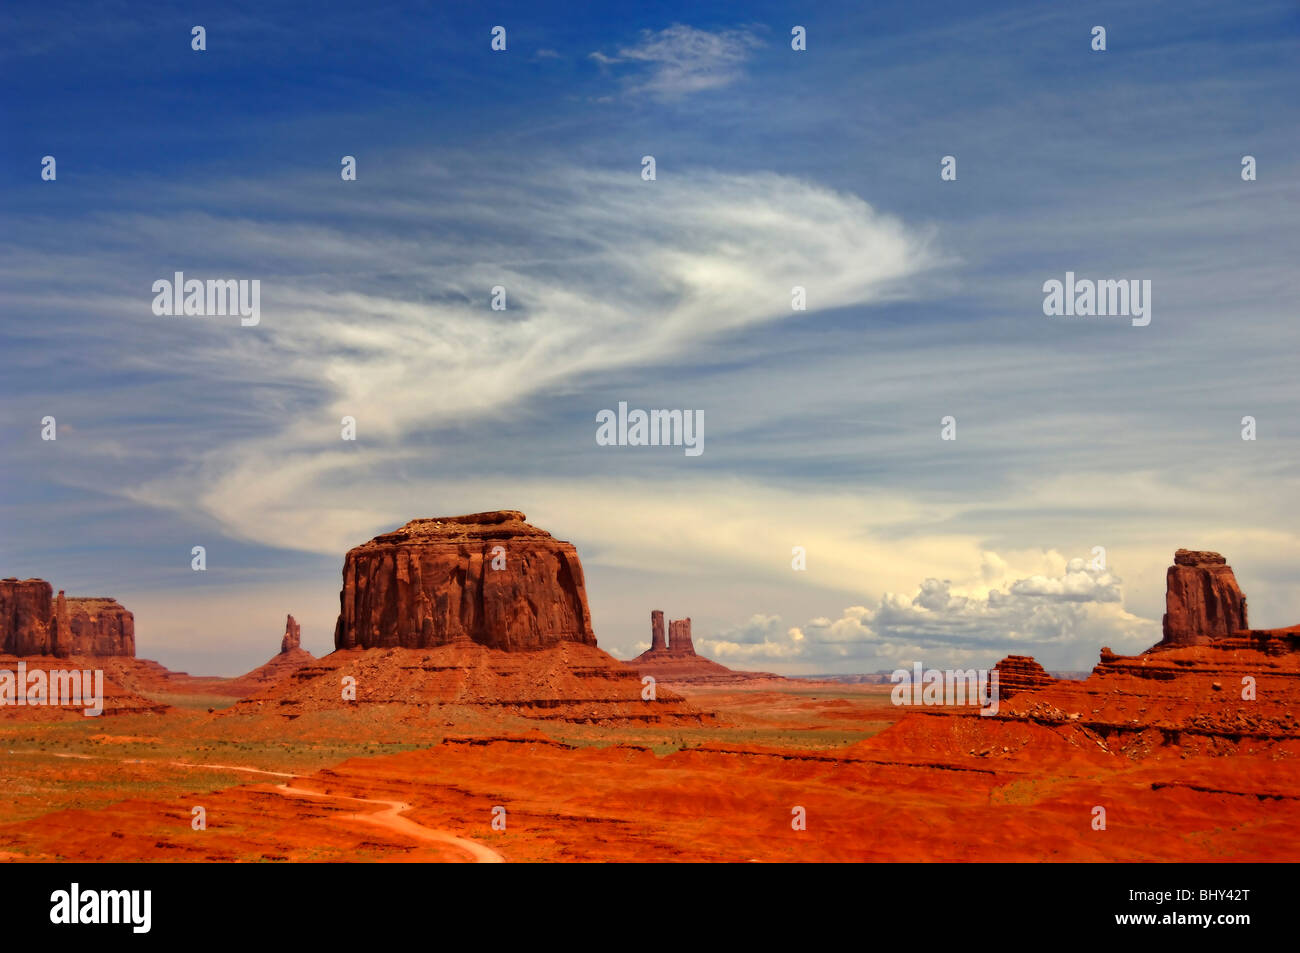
33	621
1202	600
490	578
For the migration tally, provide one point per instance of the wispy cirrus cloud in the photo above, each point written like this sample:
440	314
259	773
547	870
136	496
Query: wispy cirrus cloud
680	59
602	272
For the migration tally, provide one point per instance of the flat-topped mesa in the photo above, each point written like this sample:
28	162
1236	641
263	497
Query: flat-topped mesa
33	621
679	637
490	578
1202	600
292	636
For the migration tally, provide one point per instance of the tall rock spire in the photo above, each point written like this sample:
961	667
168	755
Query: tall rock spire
657	643
292	636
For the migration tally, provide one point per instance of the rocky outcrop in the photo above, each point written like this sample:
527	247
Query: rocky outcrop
35	622
25	617
1020	673
1202	600
292	636
490	578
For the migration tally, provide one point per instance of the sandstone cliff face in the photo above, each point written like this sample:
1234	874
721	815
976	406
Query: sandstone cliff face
489	578
99	626
1202	600
25	617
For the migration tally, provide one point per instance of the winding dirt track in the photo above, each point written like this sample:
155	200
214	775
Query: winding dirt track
392	820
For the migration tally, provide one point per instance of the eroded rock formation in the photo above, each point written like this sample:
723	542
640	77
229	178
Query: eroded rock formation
35	622
679	637
657	643
1202	600
292	636
1212	686
291	657
677	661
1020	673
490	578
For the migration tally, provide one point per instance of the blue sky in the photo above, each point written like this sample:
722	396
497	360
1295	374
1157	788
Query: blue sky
774	168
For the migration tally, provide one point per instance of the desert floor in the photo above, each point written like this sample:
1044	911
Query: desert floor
875	782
